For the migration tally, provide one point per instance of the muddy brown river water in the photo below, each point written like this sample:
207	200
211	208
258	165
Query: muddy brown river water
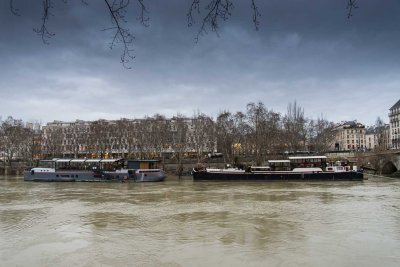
186	223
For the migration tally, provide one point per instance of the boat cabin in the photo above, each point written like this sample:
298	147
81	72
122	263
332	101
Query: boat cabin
279	165
84	164
143	164
308	162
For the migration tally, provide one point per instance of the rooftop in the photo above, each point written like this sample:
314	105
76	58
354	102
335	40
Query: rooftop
397	105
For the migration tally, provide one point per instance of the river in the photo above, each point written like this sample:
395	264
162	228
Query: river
186	223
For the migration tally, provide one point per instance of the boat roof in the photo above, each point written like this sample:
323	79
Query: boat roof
93	160
279	161
308	157
57	160
143	160
62	160
110	160
78	160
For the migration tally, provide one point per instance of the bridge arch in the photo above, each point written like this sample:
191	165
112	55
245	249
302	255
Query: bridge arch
389	167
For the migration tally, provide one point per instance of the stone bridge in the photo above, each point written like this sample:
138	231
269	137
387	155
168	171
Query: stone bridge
386	162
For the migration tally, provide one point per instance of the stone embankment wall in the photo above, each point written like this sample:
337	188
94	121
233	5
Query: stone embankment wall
15	168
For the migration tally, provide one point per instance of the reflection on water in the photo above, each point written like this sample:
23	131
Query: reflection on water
182	223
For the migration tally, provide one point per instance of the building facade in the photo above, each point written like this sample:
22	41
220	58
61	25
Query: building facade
394	121
377	138
139	138
349	135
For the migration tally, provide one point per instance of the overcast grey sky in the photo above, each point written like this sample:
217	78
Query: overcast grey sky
305	51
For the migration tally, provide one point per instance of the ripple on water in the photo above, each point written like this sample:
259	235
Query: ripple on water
16	220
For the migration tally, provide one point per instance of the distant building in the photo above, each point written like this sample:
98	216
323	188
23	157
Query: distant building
377	138
394	118
370	138
148	137
349	135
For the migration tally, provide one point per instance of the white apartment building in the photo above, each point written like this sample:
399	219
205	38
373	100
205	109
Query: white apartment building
394	121
118	138
349	135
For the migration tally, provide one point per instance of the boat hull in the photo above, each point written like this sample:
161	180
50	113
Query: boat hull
79	176
277	176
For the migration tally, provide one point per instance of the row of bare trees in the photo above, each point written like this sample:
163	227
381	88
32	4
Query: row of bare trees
258	132
263	133
18	140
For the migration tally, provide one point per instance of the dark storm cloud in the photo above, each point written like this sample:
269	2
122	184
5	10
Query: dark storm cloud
306	51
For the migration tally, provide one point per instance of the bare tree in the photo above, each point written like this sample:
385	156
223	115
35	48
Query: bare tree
256	114
179	135
202	134
53	138
140	134
242	130
13	139
294	128
158	134
33	150
99	137
320	135
78	138
226	131
119	134
131	137
264	130
380	134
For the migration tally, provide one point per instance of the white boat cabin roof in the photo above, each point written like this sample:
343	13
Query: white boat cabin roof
308	157
279	161
57	160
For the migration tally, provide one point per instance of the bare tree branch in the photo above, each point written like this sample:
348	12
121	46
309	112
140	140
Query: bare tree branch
143	18
195	6
217	9
351	4
13	9
43	31
256	14
122	35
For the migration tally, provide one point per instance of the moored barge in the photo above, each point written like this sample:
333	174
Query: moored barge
310	168
96	170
